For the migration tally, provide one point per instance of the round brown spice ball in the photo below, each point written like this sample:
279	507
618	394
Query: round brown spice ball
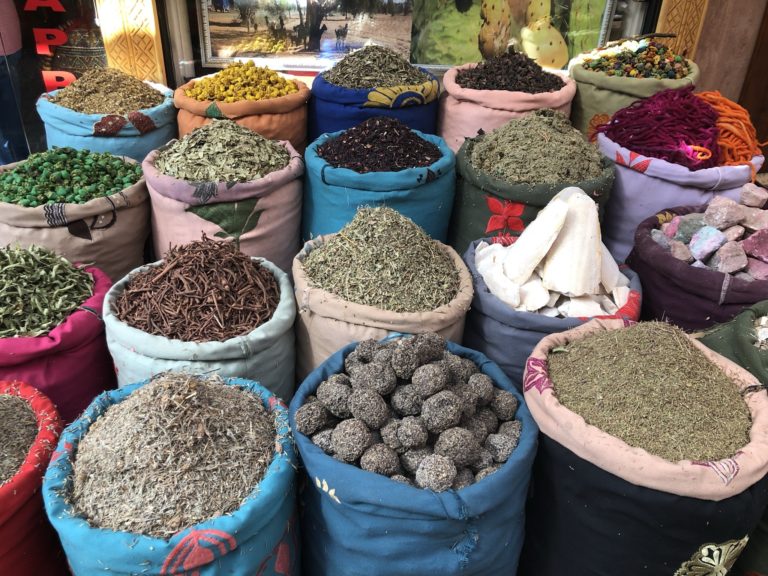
459	445
412	458
511	429
402	479
383	356
429	347
441	411
504	404
380	459
334	396
484	460
488	418
430	379
406	400
500	446
312	417
350	439
464	478
412	432
436	473
366	350
374	376
405	359
468	398
389	435
368	406
485	472
460	368
482	387
323	440
476	426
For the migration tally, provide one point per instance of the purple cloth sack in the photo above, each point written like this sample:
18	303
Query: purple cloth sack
645	186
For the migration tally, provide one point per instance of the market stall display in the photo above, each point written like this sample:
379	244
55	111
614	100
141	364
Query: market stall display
205	308
378	162
228	182
107	110
458	449
232	489
373	81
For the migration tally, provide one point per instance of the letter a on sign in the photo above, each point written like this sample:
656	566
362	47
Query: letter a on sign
32	5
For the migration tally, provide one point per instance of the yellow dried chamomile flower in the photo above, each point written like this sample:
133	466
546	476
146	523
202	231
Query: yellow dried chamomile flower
241	81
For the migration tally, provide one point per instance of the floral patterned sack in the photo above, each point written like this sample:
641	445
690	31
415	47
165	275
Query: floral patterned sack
487	206
602	508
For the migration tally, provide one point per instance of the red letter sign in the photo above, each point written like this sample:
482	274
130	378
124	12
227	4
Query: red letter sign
57	79
33	5
47	37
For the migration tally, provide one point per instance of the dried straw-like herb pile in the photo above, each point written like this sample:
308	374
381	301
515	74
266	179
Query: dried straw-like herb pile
38	290
649	386
539	148
178	451
222	151
18	429
202	292
379	144
108	91
373	67
382	259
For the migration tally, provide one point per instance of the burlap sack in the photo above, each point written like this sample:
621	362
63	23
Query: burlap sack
108	232
327	322
464	111
283	118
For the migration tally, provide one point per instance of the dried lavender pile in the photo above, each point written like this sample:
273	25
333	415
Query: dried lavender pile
413	411
383	259
178	451
651	387
204	291
18	429
379	144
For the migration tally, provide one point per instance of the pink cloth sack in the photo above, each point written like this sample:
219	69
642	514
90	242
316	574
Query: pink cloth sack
645	186
265	214
71	364
714	481
464	111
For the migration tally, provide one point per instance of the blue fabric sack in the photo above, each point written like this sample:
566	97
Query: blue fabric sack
134	134
333	108
259	538
507	336
333	195
356	522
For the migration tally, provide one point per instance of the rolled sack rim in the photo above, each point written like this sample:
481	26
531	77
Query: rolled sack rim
334	94
634	87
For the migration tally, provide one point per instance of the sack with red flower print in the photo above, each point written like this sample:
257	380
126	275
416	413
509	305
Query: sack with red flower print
488	206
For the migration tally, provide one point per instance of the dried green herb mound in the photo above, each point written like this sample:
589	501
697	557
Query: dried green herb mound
18	429
382	259
651	387
108	91
379	144
178	451
66	175
512	71
222	151
539	148
38	291
373	67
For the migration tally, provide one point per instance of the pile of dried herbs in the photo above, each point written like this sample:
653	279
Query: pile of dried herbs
382	259
222	151
379	144
108	91
372	67
512	71
178	451
539	148
18	429
38	290
651	387
205	291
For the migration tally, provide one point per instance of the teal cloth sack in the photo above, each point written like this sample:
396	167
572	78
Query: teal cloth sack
333	195
134	134
258	538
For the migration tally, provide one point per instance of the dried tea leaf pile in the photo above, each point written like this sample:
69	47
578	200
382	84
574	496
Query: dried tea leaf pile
108	91
382	259
413	411
649	386
18	429
373	67
539	148
512	71
38	291
379	144
205	291
176	452
222	151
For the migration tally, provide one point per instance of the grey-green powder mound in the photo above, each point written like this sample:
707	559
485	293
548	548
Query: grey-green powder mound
539	148
383	259
18	428
372	67
222	151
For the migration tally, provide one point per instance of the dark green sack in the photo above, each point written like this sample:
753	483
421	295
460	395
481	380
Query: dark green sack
487	206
